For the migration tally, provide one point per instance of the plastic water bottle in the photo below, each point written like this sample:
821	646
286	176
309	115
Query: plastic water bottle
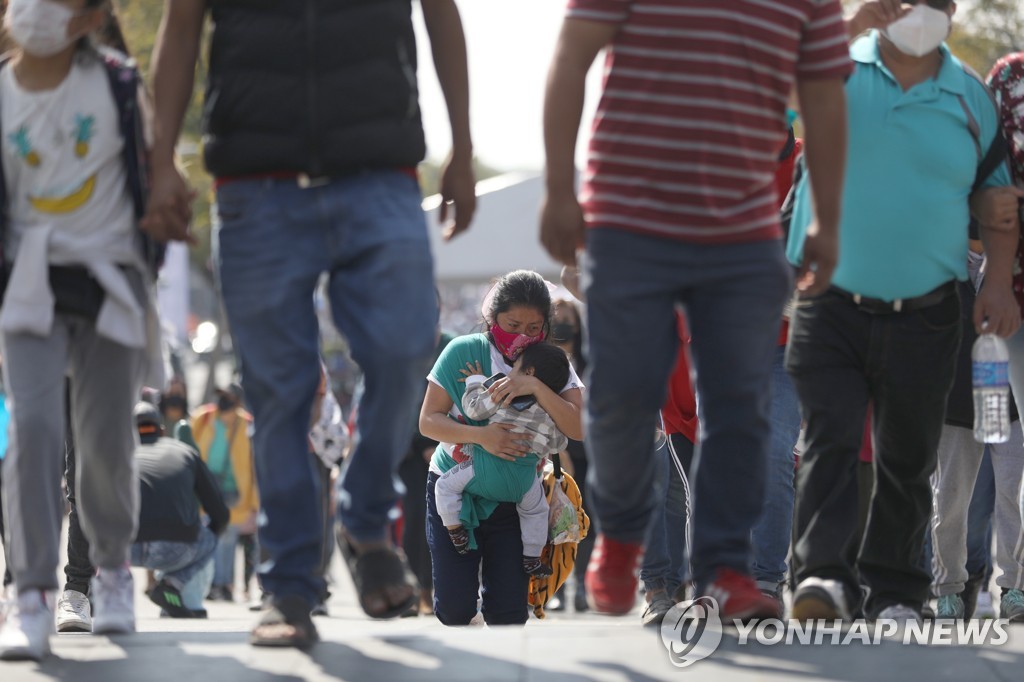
991	374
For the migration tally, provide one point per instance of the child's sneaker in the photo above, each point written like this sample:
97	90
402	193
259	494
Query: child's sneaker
460	538
113	595
25	634
532	565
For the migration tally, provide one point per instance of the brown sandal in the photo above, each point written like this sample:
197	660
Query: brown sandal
287	623
375	570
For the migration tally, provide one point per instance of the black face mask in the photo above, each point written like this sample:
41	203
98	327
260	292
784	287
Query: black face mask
172	402
226	403
563	331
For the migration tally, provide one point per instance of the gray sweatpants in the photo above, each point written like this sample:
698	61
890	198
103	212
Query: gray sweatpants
953	485
105	382
533	508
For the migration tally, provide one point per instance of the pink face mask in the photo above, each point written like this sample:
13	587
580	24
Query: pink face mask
511	344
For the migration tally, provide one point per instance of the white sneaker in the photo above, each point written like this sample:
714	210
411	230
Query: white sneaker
25	634
820	599
984	608
74	612
113	595
901	613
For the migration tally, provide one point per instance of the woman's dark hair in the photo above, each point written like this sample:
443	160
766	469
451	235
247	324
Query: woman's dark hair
549	363
520	288
109	33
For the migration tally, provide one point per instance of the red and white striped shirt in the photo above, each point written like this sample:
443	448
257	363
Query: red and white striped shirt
692	115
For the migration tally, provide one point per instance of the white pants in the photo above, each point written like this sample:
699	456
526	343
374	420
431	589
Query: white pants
533	508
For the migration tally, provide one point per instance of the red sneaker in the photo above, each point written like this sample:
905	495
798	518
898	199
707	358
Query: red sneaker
739	598
612	576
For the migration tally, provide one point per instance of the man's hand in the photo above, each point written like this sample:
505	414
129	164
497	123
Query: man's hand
458	191
821	253
997	207
169	210
249	526
562	228
996	310
875	14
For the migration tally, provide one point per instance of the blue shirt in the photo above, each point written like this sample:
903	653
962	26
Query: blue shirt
910	168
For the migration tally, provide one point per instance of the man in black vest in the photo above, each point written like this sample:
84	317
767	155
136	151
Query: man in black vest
312	129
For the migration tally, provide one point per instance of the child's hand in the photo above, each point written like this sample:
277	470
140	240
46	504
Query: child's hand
504	390
169	209
470	371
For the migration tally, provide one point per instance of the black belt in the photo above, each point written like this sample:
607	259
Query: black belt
877	306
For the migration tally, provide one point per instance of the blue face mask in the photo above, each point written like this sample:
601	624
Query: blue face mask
791	116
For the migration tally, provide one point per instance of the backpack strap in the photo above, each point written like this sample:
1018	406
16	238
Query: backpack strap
972	125
997	152
125	82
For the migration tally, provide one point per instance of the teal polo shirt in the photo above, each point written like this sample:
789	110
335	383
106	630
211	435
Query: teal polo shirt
910	167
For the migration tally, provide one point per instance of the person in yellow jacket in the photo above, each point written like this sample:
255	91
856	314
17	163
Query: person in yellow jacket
221	431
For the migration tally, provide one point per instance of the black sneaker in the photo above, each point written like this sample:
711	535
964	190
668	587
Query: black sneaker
168	598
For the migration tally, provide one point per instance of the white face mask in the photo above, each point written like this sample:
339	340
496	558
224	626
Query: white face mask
40	27
920	32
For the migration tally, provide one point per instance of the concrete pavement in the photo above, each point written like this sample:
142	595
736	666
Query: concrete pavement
562	648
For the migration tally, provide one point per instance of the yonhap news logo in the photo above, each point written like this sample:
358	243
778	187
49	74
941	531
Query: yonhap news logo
692	631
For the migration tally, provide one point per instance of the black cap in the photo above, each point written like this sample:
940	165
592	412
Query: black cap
147	421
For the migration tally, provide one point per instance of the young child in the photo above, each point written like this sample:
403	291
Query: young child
78	302
503	481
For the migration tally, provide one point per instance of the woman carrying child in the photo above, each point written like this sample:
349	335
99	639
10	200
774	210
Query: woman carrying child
516	312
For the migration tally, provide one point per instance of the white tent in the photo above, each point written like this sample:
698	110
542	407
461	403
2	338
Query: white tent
503	236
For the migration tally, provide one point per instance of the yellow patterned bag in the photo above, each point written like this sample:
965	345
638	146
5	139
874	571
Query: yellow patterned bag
561	557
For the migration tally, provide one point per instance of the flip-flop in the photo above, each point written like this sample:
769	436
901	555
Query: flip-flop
286	623
376	570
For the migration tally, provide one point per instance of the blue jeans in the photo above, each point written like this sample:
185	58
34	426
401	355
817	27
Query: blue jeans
665	564
498	561
771	535
732	295
224	558
274	241
186	563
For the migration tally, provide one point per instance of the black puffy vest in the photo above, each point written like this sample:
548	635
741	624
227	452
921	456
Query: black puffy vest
322	87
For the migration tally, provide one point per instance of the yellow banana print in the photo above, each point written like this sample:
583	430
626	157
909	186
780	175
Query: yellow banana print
67	203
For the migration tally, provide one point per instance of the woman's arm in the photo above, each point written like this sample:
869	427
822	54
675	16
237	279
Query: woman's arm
496	439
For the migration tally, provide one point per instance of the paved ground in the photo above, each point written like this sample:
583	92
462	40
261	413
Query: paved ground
562	648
